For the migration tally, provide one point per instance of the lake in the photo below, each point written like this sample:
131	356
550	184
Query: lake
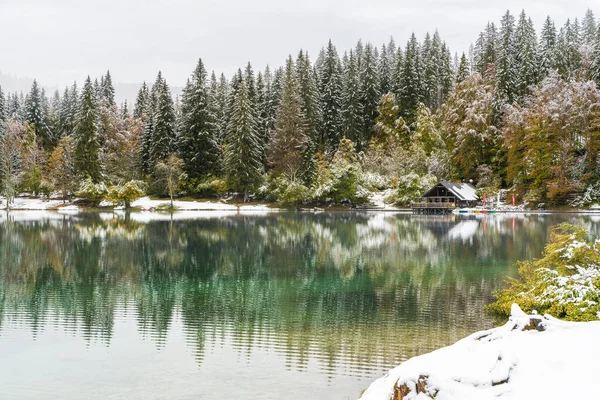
221	306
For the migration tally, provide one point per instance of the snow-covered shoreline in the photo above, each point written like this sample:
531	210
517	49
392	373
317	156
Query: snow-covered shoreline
558	360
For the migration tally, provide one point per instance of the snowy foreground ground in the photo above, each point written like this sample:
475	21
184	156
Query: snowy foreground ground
509	362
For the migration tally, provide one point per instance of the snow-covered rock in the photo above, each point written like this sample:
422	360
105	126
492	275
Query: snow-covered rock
530	357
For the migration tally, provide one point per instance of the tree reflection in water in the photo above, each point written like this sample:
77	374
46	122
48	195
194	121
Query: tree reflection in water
358	292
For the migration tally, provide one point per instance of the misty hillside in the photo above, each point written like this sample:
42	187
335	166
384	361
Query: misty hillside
123	91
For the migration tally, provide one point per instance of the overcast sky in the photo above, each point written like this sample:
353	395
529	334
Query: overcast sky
58	41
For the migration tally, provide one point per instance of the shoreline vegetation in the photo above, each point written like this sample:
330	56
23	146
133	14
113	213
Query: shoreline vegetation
506	361
518	114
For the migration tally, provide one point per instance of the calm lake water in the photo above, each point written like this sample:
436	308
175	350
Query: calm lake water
289	305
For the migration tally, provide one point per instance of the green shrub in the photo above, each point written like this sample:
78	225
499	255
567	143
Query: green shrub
94	192
565	282
127	193
211	187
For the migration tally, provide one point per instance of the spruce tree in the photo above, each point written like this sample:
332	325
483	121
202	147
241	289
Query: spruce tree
525	56
309	97
352	111
87	146
221	101
411	89
243	163
397	74
485	52
3	110
547	53
272	99
330	88
148	130
107	91
595	68
447	73
369	95
197	141
141	102
290	136
463	69
163	140
262	106
384	71
506	69
35	113
589	29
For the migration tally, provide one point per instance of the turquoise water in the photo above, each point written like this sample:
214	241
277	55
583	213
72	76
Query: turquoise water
221	306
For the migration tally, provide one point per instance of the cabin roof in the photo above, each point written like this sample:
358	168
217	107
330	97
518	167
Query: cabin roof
462	191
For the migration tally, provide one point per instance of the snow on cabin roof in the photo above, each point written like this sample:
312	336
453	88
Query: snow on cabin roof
463	191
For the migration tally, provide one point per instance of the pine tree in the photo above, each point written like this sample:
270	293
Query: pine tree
148	130
262	106
243	163
309	97
221	101
384	71
141	102
290	136
486	49
369	95
397	75
163	120
589	28
411	91
447	73
352	111
36	115
3	110
87	146
197	141
567	44
463	69
330	88
107	91
525	56
595	68
64	112
506	68
547	58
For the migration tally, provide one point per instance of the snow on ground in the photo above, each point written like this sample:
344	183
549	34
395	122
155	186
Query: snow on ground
25	203
561	362
145	203
378	200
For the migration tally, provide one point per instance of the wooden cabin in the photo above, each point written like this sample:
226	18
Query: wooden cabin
445	197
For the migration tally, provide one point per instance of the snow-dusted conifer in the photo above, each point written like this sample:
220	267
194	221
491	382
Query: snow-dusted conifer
330	87
87	145
243	163
352	111
197	140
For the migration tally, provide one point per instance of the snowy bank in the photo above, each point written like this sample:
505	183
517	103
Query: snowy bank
26	203
145	203
530	357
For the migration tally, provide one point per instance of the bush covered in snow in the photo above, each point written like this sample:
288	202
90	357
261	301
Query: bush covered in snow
94	192
412	187
565	282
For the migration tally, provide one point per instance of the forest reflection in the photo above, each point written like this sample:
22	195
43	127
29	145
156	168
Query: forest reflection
358	292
